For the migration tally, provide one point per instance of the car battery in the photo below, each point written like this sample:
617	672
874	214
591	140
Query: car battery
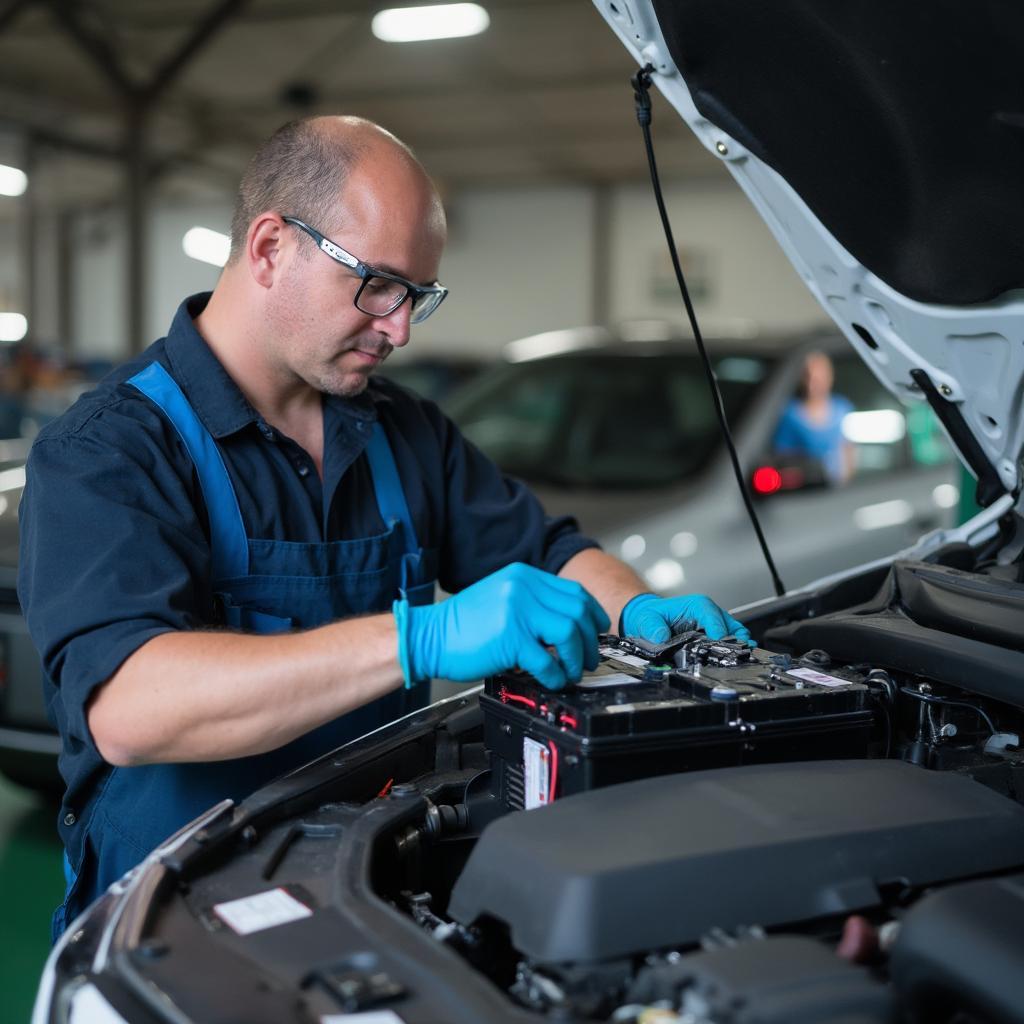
649	709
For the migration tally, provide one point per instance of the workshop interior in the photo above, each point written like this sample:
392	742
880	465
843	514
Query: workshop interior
733	293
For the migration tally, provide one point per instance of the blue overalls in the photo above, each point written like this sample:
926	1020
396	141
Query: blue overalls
262	586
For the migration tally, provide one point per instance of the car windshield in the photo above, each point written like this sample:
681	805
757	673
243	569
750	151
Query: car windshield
604	420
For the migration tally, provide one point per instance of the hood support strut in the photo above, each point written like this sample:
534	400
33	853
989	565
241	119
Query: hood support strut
990	487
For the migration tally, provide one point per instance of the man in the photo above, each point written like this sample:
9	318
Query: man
229	548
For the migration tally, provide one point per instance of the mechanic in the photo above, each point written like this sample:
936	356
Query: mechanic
812	422
230	547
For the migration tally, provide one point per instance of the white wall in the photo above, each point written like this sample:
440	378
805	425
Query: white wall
518	262
173	275
748	278
98	308
98	327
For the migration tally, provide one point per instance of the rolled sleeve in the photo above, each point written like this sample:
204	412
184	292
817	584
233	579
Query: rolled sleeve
112	554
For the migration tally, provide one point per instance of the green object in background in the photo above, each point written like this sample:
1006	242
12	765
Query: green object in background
929	447
32	883
967	506
928	444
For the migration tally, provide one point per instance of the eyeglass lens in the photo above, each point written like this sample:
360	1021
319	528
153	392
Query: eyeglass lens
424	304
379	296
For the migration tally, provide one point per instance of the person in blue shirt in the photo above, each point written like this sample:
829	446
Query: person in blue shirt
812	423
230	546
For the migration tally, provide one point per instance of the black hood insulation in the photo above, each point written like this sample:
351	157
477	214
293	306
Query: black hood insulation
900	124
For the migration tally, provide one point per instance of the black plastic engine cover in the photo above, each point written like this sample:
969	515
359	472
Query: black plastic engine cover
960	949
950	626
657	863
915	112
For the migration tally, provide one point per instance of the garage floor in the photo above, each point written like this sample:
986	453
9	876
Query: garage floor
31	883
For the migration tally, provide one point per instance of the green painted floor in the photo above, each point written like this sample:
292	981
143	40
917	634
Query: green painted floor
31	885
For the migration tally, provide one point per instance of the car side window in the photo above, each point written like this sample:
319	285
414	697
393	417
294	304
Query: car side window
519	423
606	421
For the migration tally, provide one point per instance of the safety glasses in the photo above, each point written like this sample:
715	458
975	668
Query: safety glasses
379	292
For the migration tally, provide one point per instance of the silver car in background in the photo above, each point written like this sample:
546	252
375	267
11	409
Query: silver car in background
619	430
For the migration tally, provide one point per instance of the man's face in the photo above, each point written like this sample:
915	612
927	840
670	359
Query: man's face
391	219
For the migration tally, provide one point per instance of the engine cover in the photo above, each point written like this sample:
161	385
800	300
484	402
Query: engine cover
657	863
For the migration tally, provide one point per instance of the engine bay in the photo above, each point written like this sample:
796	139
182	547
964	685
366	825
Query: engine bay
698	833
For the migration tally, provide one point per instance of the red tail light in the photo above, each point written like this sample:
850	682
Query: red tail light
766	480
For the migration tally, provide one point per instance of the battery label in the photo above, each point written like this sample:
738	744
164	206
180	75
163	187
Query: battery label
821	678
626	659
649	705
597	680
536	773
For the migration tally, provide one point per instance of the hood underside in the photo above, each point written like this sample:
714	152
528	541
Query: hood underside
883	144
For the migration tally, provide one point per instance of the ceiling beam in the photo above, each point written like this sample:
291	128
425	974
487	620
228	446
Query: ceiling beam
203	33
93	44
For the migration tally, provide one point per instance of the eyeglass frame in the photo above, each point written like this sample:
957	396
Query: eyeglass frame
365	271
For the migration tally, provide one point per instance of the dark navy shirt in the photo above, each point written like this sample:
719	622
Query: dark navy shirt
114	532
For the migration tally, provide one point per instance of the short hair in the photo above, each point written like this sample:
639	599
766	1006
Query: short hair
298	172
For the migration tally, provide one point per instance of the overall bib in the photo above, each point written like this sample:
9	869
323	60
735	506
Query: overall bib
262	586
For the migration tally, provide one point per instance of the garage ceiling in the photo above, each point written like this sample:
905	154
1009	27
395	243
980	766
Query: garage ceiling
541	96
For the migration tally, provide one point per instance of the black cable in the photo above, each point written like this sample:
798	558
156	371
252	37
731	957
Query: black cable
880	676
929	698
886	710
641	90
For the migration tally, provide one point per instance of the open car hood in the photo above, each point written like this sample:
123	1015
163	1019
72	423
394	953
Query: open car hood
883	144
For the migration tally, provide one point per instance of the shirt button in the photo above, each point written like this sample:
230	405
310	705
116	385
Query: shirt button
303	470
360	425
69	818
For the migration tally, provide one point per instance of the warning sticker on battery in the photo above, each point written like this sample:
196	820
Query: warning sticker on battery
821	678
626	659
649	705
607	679
536	773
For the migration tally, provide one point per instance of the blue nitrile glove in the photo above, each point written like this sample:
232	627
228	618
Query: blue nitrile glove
658	618
506	620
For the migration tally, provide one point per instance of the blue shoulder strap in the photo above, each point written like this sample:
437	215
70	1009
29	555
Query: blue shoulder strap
388	486
228	543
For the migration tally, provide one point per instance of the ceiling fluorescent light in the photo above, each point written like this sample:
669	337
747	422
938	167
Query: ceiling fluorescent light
207	246
12	181
13	327
438	21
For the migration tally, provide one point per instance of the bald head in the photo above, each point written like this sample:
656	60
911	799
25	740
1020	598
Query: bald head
303	169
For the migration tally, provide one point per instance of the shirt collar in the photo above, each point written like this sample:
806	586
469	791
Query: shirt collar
216	398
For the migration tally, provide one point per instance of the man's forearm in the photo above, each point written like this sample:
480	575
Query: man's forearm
207	696
612	582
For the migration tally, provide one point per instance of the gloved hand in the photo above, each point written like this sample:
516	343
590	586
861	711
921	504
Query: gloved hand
506	620
658	618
